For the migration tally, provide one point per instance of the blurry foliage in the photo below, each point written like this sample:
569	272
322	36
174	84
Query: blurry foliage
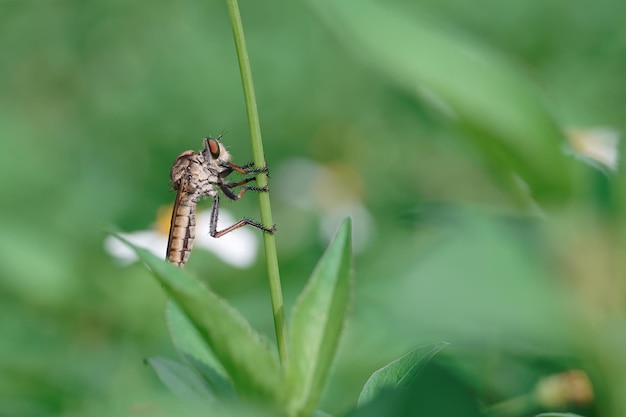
98	98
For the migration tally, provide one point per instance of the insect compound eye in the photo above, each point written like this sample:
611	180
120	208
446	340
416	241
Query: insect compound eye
214	147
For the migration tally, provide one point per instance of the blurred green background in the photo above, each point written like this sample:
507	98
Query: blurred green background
523	275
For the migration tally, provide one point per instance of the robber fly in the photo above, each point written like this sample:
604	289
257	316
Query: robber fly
198	175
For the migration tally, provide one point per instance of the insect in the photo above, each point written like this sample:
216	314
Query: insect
198	175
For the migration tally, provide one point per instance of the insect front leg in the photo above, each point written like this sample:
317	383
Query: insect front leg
249	169
242	169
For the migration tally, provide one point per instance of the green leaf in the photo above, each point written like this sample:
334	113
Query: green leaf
186	337
317	321
558	415
181	381
192	347
319	413
485	96
219	384
245	355
400	373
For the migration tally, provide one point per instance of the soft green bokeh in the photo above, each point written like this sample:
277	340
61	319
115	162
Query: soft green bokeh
98	98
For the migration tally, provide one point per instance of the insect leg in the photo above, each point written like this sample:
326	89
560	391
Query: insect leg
214	213
227	186
243	169
233	184
250	170
243	222
226	171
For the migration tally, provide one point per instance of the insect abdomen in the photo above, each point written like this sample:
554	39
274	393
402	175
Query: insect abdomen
183	232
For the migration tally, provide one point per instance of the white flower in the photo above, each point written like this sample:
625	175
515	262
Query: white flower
238	248
597	145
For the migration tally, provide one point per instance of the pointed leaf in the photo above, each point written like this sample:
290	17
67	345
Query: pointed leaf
558	415
181	381
219	384
243	353
483	94
195	351
186	337
317	321
399	373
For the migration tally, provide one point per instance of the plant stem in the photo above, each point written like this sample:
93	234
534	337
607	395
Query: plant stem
276	295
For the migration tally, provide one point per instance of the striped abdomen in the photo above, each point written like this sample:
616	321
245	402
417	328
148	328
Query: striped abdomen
182	230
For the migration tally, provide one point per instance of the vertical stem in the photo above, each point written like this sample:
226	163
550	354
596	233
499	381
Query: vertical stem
276	295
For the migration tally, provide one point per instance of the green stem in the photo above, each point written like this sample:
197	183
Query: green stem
276	295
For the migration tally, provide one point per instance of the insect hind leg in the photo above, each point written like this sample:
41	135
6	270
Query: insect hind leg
245	222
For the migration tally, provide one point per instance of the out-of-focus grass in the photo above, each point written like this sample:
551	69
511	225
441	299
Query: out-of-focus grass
98	98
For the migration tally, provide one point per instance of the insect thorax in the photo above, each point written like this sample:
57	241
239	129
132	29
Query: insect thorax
195	176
